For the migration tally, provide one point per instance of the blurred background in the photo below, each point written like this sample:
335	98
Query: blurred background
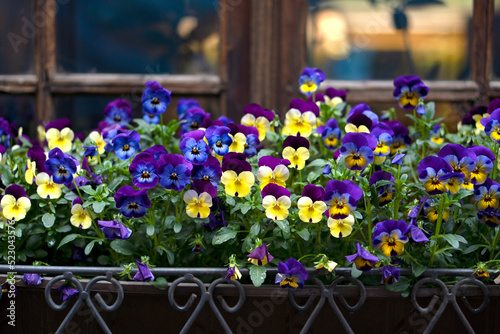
69	58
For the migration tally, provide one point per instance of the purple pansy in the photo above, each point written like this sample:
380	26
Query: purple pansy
385	191
315	193
143	272
126	144
58	124
342	197
260	256
132	203
257	111
304	106
118	111
357	148
193	119
272	162
156	151
401	138
155	98
194	147
310	79
32	279
330	134
185	104
113	229
67	291
390	274
219	139
363	259
409	89
275	190
292	274
236	162
434	172
174	171
61	166
209	171
144	171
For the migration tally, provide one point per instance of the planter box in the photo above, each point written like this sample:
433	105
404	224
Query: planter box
267	309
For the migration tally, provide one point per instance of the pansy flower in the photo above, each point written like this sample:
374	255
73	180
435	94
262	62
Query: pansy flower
331	98
118	111
156	151
272	170
390	274
59	135
311	206
385	191
62	166
144	171
487	195
132	203
114	229
461	160
198	205
484	164
143	274
251	145
342	197
359	123
260	256
401	138
30	173
292	274
184	105
174	171
80	217
32	279
304	106
330	134
409	89
310	79
193	119
210	171
364	109
489	217
256	116
298	123
357	148
434	172
383	133
436	134
390	237
219	139
99	141
155	98
296	150
126	144
362	259
46	186
109	132
37	154
474	116
276	201
416	235
432	212
232	273
15	203
341	228
492	125
67	291
237	176
151	118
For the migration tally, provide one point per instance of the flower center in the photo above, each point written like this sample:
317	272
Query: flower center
194	125
173	176
133	206
118	118
218	144
195	150
126	147
155	101
206	178
63	171
145	175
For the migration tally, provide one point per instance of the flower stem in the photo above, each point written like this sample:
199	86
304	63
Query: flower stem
495	163
494	245
368	206
438	229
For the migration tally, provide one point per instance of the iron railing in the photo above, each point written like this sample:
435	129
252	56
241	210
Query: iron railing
445	294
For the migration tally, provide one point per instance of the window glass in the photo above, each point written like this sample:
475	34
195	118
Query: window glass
19	109
126	36
358	39
18	26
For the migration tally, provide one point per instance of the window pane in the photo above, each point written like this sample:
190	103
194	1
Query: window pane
17	28
86	111
496	40
20	109
357	40
150	36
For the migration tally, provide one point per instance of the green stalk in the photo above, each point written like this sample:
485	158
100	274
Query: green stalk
397	192
494	245
368	206
495	163
436	232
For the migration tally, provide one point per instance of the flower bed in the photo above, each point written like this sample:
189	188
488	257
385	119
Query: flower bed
324	184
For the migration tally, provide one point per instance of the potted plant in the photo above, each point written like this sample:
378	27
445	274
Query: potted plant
336	189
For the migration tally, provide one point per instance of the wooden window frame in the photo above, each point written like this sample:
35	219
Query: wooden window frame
262	52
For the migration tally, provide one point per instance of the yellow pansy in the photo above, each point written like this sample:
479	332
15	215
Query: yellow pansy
237	184
41	133
80	217
46	186
276	209
277	176
198	206
30	171
299	123
62	139
239	141
261	123
97	138
353	128
391	244
13	209
340	228
478	119
297	157
309	211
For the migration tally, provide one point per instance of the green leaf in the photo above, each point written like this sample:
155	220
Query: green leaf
63	229
454	240
245	208
98	206
304	234
417	270
254	230
87	189
257	275
264	152
230	200
122	246
34	241
68	238
116	182
177	227
48	220
7	177
400	286
160	283
150	230
355	273
313	176
223	235
103	260
285	227
317	163
471	249
89	247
